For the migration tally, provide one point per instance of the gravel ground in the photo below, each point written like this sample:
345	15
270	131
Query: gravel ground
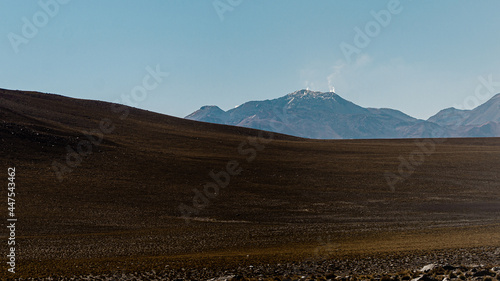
482	263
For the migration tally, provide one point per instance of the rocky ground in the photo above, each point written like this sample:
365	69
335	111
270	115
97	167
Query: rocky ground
117	209
481	263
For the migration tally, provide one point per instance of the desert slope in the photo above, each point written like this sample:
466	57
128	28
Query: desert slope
119	204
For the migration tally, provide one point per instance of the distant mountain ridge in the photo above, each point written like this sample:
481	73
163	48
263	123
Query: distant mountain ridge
326	115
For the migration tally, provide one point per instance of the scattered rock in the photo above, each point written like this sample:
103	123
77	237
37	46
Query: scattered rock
428	267
424	278
445	267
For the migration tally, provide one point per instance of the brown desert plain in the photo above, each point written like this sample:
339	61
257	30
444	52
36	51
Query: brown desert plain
290	208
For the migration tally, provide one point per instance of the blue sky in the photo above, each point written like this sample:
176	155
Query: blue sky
427	57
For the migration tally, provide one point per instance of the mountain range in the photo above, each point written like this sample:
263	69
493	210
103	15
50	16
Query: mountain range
326	115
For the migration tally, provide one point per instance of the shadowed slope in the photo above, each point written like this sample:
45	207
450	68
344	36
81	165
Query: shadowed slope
123	199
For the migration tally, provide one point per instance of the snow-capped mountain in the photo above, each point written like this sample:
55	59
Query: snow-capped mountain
326	115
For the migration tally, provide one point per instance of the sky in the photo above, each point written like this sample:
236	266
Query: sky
173	57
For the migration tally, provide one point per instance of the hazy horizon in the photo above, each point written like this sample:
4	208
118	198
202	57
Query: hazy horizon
416	58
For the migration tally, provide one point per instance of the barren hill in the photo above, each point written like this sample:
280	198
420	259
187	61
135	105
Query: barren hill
110	188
